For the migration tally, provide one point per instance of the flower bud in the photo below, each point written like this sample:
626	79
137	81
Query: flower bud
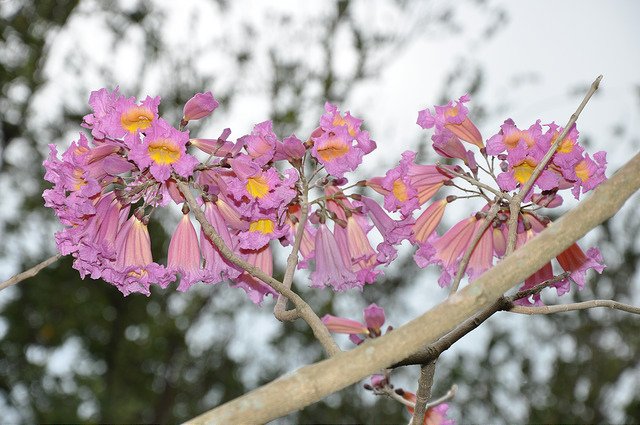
199	106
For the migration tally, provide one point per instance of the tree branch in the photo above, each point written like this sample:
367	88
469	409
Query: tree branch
306	312
561	308
280	309
314	382
504	303
423	394
30	272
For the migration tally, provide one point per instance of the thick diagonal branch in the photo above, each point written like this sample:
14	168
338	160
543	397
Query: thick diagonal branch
314	382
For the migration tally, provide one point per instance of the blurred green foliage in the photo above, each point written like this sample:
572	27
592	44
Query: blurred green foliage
77	351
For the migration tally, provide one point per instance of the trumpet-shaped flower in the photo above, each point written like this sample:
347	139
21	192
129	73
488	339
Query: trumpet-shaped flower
184	254
332	268
261	143
426	224
401	195
574	260
164	150
447	250
452	118
255	288
588	173
336	151
333	119
252	186
215	265
371	328
134	269
511	137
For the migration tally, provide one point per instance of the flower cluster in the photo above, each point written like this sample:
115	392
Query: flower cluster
252	190
106	187
517	153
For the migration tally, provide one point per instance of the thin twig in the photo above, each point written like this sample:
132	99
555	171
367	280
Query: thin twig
491	214
397	397
516	200
561	308
423	394
306	313
30	272
448	396
477	183
280	310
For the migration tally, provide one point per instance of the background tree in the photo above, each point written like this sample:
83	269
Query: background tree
78	350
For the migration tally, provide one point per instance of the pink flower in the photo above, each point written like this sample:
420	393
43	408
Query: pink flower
574	260
452	119
393	232
371	328
401	195
426	224
332	119
336	151
134	269
354	244
482	255
290	149
520	171
263	228
588	173
216	266
103	103
569	152
263	188
184	254
261	143
164	150
447	250
256	289
199	106
427	180
130	118
448	145
511	137
332	268
219	147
